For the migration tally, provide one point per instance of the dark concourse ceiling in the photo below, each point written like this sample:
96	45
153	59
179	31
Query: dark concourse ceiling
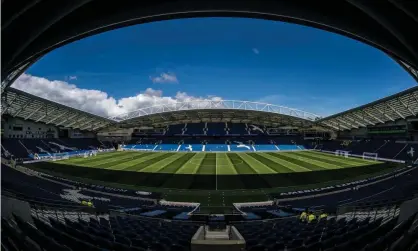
32	28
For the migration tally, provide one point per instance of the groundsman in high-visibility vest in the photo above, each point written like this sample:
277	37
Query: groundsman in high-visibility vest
303	216
323	215
311	217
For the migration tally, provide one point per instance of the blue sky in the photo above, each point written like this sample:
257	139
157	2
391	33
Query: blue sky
230	58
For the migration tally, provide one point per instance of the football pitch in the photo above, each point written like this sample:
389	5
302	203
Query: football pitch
220	163
215	179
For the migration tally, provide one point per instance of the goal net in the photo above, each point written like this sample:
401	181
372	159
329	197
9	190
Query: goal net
342	153
372	156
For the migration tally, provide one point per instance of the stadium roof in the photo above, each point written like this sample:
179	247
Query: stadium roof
30	29
398	106
23	105
220	110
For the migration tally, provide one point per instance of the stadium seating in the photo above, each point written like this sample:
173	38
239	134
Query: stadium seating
99	233
239	146
23	148
256	129
191	147
216	148
127	232
342	234
395	190
289	147
216	129
176	129
195	129
384	148
91	232
167	147
237	129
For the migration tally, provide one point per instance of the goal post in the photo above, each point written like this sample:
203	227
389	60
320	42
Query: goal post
342	153
372	156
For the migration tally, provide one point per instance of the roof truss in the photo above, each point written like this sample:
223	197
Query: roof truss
399	106
22	105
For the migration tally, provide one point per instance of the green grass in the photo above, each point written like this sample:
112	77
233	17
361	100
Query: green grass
215	179
218	163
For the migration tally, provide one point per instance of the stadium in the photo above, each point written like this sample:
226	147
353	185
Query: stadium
205	174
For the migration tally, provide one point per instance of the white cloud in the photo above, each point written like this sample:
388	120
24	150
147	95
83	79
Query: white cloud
95	101
164	78
72	77
256	51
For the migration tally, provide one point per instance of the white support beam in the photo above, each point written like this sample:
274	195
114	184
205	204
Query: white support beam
330	125
39	119
23	107
355	121
395	111
415	97
343	126
33	112
407	107
56	117
346	123
87	126
101	124
383	113
84	128
76	121
362	118
86	122
371	115
65	120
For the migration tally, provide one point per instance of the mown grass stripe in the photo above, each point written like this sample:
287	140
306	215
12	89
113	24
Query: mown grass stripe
349	161
175	165
240	165
208	164
168	178
228	179
225	167
250	181
109	163
148	162
231	164
257	165
339	162
300	162
310	160
101	161
135	161
90	161
158	166
279	165
191	166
